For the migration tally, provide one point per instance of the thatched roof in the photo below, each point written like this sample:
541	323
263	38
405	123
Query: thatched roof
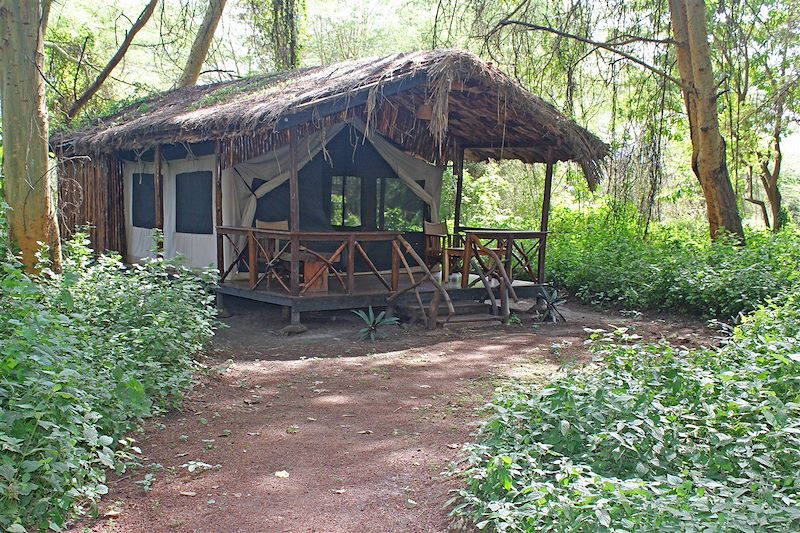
445	96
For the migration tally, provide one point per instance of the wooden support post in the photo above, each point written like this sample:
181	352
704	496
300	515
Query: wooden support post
351	263
395	267
466	261
508	260
294	217
218	207
548	185
158	188
505	309
252	259
458	170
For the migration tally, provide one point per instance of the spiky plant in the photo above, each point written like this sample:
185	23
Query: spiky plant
373	323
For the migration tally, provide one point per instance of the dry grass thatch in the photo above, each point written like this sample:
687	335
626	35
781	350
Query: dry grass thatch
443	96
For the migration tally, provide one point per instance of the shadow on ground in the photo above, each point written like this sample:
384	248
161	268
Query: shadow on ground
363	430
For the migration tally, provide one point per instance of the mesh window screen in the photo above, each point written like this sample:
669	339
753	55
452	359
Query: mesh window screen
143	196
346	201
193	203
399	209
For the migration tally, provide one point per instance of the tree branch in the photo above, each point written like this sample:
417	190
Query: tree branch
114	61
611	47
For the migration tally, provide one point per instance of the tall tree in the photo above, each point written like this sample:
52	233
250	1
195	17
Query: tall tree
773	71
700	93
696	78
276	24
30	182
202	42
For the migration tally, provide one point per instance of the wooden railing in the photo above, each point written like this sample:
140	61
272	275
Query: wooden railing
274	257
523	252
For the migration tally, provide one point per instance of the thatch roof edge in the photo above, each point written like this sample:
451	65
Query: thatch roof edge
269	103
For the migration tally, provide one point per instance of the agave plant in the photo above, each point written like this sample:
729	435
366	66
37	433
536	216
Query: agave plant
551	312
373	323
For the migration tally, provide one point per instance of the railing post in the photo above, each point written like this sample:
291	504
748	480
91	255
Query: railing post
542	254
395	266
509	258
294	265
351	262
252	259
466	261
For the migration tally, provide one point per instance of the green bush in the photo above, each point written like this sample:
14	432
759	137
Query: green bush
601	257
655	439
84	355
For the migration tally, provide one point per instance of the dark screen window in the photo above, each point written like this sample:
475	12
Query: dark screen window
399	209
346	201
144	201
193	203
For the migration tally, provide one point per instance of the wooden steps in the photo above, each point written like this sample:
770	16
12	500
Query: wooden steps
460	319
465	311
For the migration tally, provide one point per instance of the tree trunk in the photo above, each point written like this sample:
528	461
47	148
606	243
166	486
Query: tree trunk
202	42
709	164
769	178
284	34
755	201
30	184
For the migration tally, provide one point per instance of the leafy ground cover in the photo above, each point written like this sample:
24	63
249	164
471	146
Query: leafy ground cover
600	256
84	356
656	438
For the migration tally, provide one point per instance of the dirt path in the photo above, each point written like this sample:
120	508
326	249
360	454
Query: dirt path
363	430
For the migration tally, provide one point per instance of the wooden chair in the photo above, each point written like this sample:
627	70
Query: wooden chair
311	263
439	247
443	247
270	244
436	239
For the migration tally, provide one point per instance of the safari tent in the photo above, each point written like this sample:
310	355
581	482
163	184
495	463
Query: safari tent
320	188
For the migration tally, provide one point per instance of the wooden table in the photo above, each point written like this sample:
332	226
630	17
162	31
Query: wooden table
311	265
507	242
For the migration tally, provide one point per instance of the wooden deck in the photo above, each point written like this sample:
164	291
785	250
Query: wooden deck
367	292
338	272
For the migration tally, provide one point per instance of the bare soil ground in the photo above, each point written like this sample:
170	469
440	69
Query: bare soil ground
363	430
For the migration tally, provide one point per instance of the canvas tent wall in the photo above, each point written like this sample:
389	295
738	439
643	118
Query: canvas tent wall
189	203
344	187
255	188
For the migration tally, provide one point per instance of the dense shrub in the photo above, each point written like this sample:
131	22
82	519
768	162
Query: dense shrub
600	256
655	440
84	355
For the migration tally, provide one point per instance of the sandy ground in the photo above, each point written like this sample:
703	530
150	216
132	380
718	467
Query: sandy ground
359	433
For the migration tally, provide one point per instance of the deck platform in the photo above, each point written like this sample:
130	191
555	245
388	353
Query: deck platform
367	292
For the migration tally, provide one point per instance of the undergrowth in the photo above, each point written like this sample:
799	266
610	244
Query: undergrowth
84	356
602	257
654	439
